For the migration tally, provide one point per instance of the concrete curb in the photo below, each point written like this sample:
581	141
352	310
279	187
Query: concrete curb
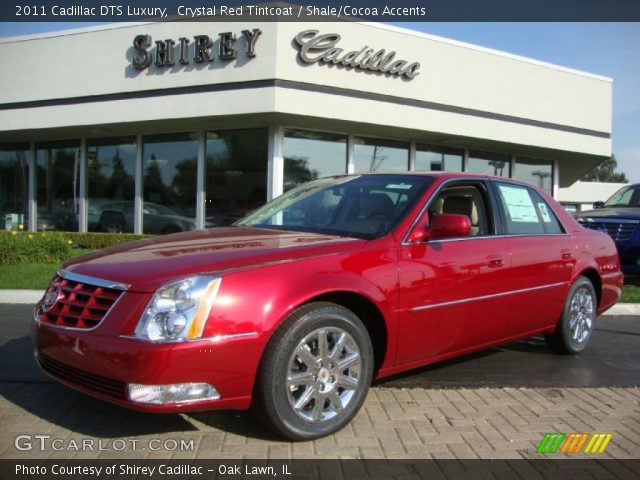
32	296
20	296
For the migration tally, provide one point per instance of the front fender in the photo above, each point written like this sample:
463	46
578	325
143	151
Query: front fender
258	300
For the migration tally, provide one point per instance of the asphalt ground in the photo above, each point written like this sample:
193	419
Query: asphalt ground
612	359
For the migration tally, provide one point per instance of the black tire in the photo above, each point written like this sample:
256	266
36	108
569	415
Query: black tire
575	326
290	383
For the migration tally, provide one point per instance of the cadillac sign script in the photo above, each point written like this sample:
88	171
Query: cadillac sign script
321	47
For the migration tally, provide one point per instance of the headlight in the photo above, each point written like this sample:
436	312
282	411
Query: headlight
179	310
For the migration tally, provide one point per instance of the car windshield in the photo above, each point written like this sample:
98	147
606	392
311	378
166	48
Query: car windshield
625	197
363	206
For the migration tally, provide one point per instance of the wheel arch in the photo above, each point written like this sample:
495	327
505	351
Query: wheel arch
362	306
370	315
593	276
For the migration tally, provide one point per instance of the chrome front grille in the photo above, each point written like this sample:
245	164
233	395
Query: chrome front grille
75	304
619	230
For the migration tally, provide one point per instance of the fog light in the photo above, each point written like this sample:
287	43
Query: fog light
174	393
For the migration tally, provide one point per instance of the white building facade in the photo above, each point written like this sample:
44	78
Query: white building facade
162	127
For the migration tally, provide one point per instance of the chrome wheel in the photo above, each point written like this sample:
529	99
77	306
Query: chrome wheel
581	314
323	375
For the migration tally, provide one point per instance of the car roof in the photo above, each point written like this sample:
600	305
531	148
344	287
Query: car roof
446	176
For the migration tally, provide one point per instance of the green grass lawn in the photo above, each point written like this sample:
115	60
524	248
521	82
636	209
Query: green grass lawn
33	276
37	276
30	277
631	291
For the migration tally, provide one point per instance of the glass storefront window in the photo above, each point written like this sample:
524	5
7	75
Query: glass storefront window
536	172
58	185
489	163
169	173
438	159
111	172
311	155
377	155
236	174
14	186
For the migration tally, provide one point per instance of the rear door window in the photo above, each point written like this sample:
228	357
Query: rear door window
526	213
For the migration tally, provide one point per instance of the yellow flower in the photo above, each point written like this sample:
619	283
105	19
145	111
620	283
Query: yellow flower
30	236
69	242
14	233
21	227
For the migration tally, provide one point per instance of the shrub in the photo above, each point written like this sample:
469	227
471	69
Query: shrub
23	247
54	247
99	240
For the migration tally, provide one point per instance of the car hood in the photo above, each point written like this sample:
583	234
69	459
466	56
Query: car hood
613	212
146	264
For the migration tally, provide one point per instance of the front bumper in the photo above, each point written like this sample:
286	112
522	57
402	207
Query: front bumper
104	366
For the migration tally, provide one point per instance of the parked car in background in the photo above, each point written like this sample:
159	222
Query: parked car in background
117	216
619	217
297	307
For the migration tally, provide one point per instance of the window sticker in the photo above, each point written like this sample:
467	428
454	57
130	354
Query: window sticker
519	204
544	212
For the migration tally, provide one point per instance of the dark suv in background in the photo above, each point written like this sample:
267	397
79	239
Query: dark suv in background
619	217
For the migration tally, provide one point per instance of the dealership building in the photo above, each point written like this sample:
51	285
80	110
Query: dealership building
161	127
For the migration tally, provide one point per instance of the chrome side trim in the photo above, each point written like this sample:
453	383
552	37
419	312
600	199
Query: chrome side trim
611	275
214	339
98	282
485	297
486	237
458	239
518	235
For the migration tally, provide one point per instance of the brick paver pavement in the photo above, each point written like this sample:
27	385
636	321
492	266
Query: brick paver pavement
500	423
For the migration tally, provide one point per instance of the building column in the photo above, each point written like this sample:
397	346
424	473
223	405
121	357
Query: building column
32	206
275	166
412	156
350	152
555	189
137	205
201	194
82	188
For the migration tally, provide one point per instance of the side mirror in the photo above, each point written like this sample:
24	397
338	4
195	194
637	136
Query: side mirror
597	205
445	225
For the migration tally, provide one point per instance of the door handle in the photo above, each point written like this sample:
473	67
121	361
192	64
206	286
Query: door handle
565	254
495	261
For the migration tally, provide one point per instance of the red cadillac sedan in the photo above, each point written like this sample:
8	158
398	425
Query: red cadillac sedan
296	308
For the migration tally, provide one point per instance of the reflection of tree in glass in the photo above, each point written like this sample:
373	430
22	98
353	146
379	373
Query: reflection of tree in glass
378	157
298	172
236	168
184	183
121	183
154	188
59	179
94	173
15	191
